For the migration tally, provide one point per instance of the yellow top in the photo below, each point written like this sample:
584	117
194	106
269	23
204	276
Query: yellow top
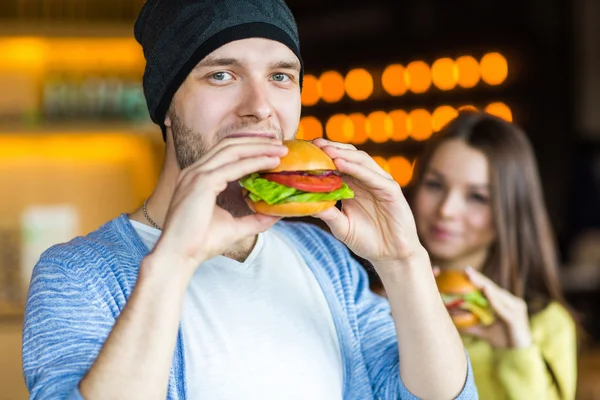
519	374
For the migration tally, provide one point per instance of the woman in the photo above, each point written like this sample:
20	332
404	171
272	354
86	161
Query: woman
479	208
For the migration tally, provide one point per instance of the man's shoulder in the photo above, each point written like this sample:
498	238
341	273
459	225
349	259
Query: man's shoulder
104	243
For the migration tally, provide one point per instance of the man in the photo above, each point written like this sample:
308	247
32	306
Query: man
195	296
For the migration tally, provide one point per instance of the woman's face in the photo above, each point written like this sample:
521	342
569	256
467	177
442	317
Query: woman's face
453	208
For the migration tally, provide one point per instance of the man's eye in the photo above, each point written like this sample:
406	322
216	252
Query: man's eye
281	77
221	76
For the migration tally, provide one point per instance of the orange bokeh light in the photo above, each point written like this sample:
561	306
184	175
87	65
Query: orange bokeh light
420	126
382	162
310	128
442	115
467	107
494	68
332	86
469	73
444	73
418	76
399	122
310	90
379	127
401	170
359	84
360	128
500	110
340	128
393	80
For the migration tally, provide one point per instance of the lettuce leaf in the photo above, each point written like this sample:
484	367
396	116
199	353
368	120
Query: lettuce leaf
450	298
477	298
262	189
475	303
304	197
274	193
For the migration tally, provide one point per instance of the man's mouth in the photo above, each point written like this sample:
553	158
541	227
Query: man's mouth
253	134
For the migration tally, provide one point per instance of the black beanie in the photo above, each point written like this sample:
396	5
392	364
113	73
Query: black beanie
177	34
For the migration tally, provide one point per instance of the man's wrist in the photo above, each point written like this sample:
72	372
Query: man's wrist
397	270
166	269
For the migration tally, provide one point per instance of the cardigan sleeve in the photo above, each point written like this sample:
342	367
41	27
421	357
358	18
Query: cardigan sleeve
64	330
379	343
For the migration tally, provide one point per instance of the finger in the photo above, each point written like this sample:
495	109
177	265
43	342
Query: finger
239	151
487	285
218	178
238	141
337	222
498	297
366	177
484	284
356	156
436	271
478	279
231	141
320	142
250	225
504	304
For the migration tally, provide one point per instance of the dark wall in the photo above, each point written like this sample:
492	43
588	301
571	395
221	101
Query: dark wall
536	36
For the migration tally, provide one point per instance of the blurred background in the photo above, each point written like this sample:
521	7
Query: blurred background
77	147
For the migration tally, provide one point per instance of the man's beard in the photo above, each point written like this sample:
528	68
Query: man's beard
190	146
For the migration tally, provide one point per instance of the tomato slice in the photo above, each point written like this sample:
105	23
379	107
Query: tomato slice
315	184
455	303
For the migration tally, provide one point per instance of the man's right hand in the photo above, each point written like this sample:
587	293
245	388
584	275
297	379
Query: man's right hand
195	227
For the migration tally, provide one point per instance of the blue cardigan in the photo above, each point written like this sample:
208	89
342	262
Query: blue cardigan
78	290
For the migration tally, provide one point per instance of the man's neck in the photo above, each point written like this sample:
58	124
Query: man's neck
241	250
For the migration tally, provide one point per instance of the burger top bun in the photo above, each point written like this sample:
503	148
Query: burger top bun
303	156
454	282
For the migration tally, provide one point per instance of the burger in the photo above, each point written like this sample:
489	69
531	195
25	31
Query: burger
465	303
304	183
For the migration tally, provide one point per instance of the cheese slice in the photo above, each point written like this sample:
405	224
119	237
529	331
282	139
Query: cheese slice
485	315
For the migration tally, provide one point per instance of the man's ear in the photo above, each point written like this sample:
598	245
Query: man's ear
168	120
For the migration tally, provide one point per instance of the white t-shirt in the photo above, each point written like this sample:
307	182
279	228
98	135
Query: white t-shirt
260	329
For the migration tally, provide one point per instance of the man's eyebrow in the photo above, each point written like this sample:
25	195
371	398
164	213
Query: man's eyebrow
234	62
286	64
218	62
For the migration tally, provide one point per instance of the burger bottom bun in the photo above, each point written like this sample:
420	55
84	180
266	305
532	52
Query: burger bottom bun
464	320
290	209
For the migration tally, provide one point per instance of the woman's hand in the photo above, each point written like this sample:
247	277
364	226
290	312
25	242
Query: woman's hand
511	329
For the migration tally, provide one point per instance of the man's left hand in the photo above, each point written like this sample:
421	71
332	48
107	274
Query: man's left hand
377	224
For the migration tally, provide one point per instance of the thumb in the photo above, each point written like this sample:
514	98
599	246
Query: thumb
336	221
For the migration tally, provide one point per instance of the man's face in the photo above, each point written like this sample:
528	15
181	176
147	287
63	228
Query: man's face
249	87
